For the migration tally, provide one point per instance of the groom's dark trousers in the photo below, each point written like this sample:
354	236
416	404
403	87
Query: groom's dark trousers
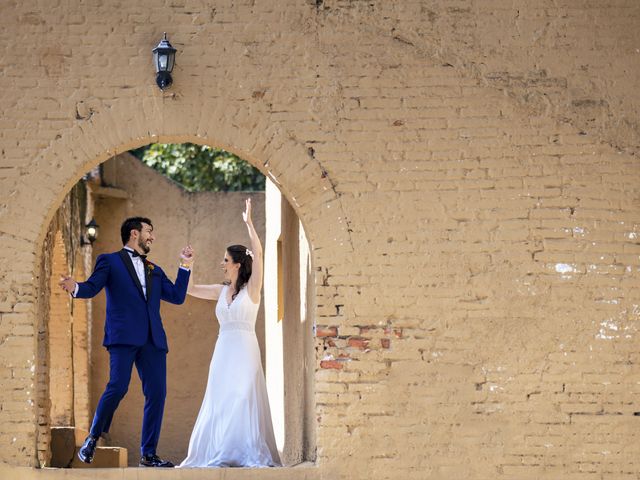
134	335
150	362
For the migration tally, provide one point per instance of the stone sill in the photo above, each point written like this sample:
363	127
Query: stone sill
303	471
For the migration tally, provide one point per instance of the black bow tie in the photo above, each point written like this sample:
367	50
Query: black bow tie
135	254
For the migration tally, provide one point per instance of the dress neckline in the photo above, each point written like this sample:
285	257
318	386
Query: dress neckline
233	299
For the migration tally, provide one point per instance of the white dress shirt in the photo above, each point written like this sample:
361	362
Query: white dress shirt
138	265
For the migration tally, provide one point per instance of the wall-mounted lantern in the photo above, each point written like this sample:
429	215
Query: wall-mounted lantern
164	56
90	233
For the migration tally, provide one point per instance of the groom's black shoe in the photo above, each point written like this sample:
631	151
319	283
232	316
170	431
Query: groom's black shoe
154	461
88	449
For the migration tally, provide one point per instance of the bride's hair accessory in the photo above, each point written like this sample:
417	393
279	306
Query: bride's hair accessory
249	253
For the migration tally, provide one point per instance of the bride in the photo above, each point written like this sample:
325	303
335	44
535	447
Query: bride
234	428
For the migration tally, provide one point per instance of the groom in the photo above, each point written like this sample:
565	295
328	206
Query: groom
133	330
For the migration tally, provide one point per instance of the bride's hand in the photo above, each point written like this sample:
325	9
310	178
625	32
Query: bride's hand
246	215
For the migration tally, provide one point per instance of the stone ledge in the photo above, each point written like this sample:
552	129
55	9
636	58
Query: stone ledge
109	192
304	471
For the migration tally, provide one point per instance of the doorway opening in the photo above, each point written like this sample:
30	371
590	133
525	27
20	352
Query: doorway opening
209	219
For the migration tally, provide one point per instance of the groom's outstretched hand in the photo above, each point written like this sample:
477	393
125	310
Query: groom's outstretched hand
186	257
68	284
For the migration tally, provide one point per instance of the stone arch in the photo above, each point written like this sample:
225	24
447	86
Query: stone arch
127	124
291	165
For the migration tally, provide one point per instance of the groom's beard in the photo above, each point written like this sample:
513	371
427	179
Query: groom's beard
143	246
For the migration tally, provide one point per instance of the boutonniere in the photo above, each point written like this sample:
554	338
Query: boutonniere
150	266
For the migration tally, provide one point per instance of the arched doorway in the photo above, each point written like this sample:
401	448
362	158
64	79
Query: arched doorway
126	190
128	123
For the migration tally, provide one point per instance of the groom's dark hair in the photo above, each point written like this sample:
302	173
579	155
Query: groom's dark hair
133	223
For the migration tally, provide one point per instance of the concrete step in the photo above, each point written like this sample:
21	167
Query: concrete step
65	442
105	457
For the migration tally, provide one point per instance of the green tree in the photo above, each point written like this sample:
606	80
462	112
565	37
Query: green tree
200	168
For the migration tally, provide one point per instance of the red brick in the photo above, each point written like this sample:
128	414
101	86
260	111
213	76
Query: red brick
326	331
358	342
331	364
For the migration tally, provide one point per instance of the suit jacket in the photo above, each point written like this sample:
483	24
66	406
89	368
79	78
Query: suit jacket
130	317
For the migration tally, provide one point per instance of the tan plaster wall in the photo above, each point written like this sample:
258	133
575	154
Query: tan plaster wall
289	334
209	221
475	253
297	332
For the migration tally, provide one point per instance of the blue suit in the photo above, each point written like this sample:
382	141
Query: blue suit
133	334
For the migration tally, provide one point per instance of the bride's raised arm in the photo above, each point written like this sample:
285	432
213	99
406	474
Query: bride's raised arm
255	281
206	292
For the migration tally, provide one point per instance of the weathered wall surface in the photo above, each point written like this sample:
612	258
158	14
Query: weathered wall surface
577	62
464	172
60	340
54	326
289	330
209	221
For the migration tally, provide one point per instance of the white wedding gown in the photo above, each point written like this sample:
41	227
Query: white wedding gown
234	428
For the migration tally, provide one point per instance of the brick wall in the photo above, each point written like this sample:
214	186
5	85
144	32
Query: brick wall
574	62
466	176
45	391
82	415
60	340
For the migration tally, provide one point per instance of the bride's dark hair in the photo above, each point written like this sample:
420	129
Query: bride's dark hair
239	255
